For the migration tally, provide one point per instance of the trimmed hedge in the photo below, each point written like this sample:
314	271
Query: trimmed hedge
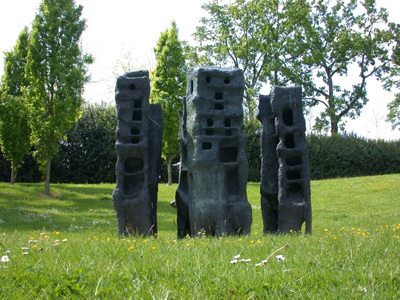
350	156
88	155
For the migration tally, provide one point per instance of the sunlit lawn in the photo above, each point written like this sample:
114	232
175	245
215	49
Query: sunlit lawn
67	247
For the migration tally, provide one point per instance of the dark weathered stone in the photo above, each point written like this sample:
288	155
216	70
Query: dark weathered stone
293	205
216	162
181	195
269	166
139	133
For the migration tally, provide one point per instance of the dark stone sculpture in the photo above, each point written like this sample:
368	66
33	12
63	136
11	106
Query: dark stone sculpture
181	195
269	166
285	176
216	162
138	146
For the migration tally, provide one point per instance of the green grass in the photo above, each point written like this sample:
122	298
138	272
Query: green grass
67	247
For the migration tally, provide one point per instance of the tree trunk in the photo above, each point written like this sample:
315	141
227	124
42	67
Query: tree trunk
249	106
13	174
334	127
169	168
47	184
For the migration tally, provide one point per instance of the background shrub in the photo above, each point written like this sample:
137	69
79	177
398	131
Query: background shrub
88	155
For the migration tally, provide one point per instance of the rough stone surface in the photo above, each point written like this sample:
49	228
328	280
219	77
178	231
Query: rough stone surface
181	195
216	161
269	166
285	185
138	146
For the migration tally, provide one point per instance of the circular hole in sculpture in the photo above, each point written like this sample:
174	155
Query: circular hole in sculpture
208	79
133	165
227	80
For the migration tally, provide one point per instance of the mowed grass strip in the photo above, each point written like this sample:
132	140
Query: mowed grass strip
66	246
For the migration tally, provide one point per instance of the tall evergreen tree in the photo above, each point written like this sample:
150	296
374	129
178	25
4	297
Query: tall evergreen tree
56	69
168	88
14	126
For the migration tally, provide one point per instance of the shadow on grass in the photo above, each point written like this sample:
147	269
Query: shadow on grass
76	207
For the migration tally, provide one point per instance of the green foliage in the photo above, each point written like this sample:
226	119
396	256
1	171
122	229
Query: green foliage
74	252
394	111
341	35
393	80
14	130
14	116
56	70
88	153
14	80
168	87
252	36
350	156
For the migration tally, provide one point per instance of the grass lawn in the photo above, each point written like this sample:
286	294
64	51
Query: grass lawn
67	247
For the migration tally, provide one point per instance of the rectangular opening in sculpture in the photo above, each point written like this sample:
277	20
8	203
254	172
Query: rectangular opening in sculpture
219	106
137	104
137	115
287	116
289	140
228	154
206	146
218	95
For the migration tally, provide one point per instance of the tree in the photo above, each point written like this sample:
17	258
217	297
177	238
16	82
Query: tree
168	88
14	127
14	131
393	80
337	40
253	36
56	69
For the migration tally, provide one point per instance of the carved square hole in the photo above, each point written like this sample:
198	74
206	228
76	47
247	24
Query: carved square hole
137	115
289	140
287	116
218	106
228	154
137	104
135	131
206	146
210	122
133	165
218	96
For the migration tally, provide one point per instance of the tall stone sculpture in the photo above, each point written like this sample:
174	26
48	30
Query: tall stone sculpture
285	185
138	146
216	162
269	166
181	195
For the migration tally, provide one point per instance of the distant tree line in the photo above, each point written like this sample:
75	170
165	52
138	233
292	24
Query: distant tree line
87	155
